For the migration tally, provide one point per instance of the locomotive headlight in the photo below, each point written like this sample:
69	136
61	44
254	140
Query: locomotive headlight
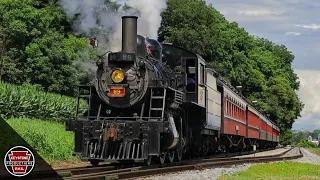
117	76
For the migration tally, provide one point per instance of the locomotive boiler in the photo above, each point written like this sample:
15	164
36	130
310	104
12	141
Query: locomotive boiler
158	102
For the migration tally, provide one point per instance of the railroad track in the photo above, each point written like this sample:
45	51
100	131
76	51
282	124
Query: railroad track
122	172
130	173
205	163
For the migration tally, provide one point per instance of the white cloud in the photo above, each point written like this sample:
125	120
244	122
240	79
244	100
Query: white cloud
258	12
310	96
309	121
309	90
311	26
250	10
293	33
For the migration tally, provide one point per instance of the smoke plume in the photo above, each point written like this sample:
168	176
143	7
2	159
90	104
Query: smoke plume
95	18
150	15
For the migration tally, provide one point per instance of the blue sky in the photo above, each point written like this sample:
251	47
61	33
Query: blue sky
295	24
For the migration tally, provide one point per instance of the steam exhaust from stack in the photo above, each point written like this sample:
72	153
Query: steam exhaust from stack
129	34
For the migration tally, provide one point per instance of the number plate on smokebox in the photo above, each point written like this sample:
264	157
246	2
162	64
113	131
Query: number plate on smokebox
116	91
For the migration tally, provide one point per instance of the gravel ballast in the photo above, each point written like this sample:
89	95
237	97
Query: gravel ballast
308	157
206	174
215	173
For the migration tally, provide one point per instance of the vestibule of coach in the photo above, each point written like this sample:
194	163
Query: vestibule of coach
213	101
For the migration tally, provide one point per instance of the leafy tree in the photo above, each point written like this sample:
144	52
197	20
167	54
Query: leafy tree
299	137
286	137
37	47
261	67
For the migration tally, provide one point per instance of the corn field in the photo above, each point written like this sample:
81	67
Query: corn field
28	101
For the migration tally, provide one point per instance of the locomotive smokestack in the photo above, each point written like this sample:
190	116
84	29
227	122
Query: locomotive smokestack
129	34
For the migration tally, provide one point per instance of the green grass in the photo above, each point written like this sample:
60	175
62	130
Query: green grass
49	139
278	170
306	144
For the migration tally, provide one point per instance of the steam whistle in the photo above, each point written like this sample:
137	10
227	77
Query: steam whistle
94	42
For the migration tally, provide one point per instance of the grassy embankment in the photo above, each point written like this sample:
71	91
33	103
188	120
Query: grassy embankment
39	118
278	170
281	170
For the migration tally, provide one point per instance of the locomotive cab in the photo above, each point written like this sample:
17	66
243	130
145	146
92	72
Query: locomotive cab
192	69
195	77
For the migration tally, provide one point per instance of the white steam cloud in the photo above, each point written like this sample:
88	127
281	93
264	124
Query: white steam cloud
94	18
150	15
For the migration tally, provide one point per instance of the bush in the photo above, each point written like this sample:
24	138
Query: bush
306	144
30	102
49	139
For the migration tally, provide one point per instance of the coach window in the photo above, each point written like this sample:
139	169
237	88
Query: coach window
201	74
232	106
242	113
227	106
227	100
242	110
231	111
237	110
224	104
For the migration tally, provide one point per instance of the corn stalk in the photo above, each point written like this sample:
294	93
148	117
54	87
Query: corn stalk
28	101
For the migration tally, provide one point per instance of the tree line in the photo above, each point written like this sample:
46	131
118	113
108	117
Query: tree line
38	46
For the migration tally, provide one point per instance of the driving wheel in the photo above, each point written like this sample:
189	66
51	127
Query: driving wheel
171	156
162	157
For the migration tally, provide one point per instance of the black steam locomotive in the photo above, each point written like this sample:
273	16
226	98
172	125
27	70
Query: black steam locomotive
148	103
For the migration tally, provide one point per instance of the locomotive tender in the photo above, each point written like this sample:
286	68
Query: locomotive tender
155	101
